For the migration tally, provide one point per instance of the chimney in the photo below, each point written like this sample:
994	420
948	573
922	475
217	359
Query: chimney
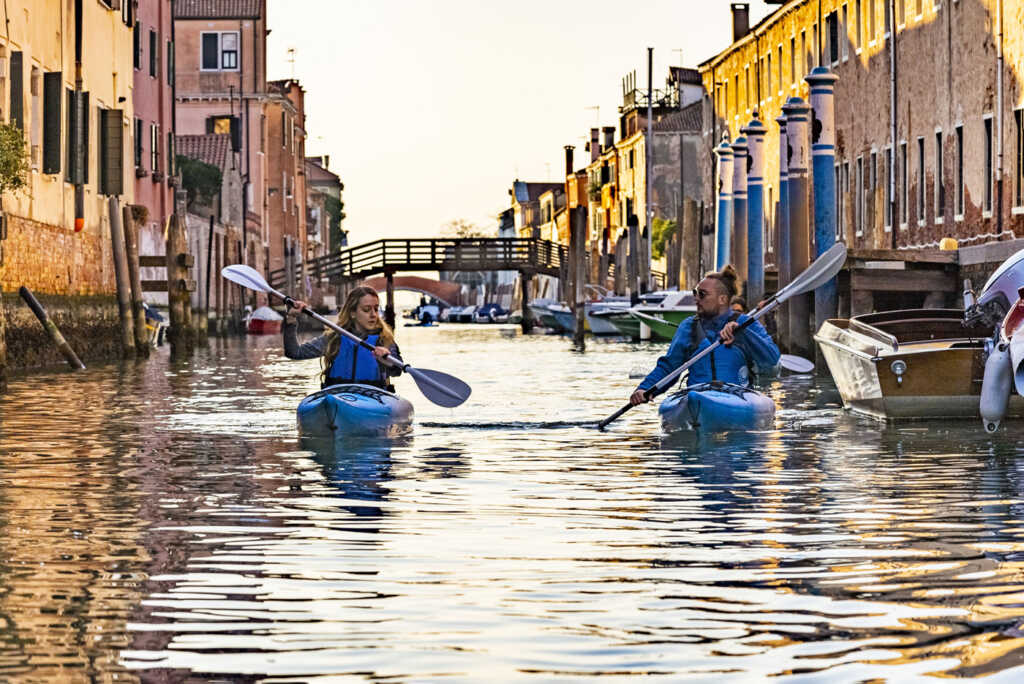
740	19
595	148
568	160
327	160
609	137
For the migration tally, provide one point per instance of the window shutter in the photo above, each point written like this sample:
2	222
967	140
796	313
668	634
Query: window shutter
210	123
51	122
170	63
211	60
17	90
236	134
69	154
83	137
111	152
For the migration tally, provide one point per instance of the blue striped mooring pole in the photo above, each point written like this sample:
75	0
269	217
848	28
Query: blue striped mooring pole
754	132
797	118
823	157
724	224
783	271
738	257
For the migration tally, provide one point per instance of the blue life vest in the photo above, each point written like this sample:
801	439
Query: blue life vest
727	363
355	363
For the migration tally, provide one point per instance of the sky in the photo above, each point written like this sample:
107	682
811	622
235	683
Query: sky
430	109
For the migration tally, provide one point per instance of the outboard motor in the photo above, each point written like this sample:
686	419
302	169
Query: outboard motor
998	295
995	387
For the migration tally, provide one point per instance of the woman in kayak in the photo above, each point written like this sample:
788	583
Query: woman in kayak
741	353
344	361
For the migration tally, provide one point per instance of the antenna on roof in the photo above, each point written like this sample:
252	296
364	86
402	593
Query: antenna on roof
680	51
291	60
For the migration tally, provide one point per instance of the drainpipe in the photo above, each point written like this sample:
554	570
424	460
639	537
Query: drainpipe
999	118
80	134
893	203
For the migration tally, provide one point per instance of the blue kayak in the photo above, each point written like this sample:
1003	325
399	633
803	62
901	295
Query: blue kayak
717	407
354	410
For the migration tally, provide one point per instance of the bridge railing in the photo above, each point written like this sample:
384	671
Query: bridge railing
455	254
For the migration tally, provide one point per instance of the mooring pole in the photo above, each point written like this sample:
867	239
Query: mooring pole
578	225
783	271
723	227
738	257
131	245
755	131
124	307
51	329
797	120
526	322
823	157
389	308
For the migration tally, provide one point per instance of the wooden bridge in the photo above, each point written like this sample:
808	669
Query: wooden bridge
529	256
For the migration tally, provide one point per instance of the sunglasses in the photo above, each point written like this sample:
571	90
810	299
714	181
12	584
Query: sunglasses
700	294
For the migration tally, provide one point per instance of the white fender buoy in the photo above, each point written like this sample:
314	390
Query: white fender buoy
995	387
1017	361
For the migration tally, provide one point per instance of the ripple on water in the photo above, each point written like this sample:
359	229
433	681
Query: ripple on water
163	517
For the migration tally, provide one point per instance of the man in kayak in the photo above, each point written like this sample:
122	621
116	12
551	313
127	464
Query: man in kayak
741	354
344	361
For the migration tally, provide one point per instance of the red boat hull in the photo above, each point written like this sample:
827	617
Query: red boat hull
259	326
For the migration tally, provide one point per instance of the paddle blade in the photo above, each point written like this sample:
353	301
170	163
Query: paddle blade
246	276
440	388
796	364
817	274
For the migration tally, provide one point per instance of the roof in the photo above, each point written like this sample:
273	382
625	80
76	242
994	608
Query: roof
527	192
316	174
211	148
689	118
684	75
218	9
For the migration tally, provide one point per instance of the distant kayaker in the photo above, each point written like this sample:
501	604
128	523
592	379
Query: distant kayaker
741	354
343	360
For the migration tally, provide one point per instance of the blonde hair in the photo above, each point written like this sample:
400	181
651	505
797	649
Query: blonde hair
346	320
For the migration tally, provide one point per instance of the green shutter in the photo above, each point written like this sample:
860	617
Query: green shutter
52	85
17	90
112	151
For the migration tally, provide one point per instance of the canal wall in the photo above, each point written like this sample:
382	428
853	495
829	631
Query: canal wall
89	323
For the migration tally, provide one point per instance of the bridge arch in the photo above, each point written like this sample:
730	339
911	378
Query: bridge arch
444	290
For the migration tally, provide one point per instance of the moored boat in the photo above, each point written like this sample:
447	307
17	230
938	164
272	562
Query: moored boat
660	328
263	321
353	409
716	407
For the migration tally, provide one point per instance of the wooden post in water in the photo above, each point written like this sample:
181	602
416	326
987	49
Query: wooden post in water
131	244
180	332
692	244
527	320
578	233
389	308
3	345
51	329
124	306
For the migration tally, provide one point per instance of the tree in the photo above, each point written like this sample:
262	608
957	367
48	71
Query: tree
662	231
14	161
201	181
461	228
337	236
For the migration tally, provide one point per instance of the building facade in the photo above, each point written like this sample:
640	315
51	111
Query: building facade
284	205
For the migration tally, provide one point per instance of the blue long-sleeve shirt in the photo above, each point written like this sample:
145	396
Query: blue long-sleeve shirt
752	346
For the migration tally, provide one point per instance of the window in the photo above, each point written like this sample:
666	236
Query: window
832	22
844	36
154	148
736	94
51	121
110	159
804	56
137	45
940	180
959	179
746	81
170	155
792	61
857	37
138	143
768	75
901	12
918	7
888	17
904	185
889	182
284	130
17	90
858	209
128	12
780	69
988	164
154	55
219	51
815	51
170	63
1018	192
872	28
920	181
837	179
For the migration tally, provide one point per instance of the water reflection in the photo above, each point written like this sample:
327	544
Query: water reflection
162	521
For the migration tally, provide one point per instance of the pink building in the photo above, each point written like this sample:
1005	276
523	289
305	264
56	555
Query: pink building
153	129
221	87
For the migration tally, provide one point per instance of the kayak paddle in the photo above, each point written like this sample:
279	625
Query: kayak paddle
440	388
824	268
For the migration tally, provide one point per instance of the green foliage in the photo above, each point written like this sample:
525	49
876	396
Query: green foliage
661	231
594	191
461	228
14	159
336	235
201	181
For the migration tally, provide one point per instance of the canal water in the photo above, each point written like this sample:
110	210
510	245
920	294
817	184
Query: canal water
162	522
